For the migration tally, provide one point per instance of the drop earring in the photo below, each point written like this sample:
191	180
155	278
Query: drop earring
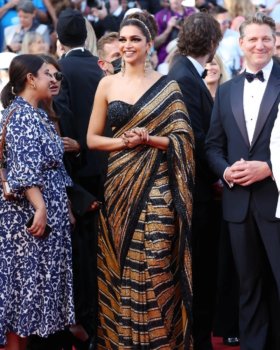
123	67
147	64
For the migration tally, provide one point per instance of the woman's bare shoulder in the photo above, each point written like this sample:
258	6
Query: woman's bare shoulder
156	75
110	80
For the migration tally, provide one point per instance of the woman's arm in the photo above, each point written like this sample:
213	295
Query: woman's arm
9	5
160	142
97	122
140	136
162	38
51	11
35	198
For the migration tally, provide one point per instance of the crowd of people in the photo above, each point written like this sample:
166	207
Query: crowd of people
140	174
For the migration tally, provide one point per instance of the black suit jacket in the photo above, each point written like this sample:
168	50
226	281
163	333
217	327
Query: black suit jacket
199	104
227	142
152	6
74	105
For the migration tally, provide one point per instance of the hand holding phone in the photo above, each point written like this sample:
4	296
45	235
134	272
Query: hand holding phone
46	232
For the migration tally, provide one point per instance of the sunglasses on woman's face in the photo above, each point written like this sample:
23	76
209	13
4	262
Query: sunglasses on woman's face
58	76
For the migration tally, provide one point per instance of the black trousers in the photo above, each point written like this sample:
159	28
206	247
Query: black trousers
226	315
256	250
205	233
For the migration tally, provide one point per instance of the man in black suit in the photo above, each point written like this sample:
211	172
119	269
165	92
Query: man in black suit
198	40
81	75
237	147
75	100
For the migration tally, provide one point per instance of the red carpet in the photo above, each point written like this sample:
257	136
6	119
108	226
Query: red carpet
218	345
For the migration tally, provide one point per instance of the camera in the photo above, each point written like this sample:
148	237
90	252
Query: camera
95	3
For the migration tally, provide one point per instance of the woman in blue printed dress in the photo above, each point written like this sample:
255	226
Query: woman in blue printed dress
35	271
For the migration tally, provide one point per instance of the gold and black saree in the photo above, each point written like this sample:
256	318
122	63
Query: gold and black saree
144	255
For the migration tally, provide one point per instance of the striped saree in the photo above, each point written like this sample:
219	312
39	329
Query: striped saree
144	257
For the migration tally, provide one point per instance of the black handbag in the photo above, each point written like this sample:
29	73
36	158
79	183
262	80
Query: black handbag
3	171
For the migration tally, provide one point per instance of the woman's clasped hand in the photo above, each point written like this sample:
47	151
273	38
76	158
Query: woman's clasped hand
135	137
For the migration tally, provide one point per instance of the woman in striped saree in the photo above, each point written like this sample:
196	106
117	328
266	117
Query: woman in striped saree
144	259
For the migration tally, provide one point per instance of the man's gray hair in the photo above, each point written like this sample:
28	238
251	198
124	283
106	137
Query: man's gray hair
258	18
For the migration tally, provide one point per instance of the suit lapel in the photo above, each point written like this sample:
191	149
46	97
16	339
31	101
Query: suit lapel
236	97
199	79
269	97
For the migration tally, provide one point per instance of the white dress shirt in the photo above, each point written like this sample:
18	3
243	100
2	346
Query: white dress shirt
275	156
75	49
197	65
252	98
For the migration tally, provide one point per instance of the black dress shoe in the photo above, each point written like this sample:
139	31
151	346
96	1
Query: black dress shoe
79	344
231	341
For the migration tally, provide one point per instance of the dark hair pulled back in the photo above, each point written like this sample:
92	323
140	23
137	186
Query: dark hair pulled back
20	66
144	21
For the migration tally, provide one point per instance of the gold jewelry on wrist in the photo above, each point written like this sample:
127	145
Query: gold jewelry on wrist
146	142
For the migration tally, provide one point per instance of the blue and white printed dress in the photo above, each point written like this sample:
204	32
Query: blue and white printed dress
36	294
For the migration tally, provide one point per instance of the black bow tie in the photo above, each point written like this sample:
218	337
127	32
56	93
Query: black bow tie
204	73
250	76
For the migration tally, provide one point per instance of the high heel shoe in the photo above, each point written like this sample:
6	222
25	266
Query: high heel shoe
231	341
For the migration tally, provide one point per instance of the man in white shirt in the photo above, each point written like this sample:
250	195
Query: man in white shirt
237	147
228	49
14	34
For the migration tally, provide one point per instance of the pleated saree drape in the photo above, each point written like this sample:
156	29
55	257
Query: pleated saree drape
144	256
